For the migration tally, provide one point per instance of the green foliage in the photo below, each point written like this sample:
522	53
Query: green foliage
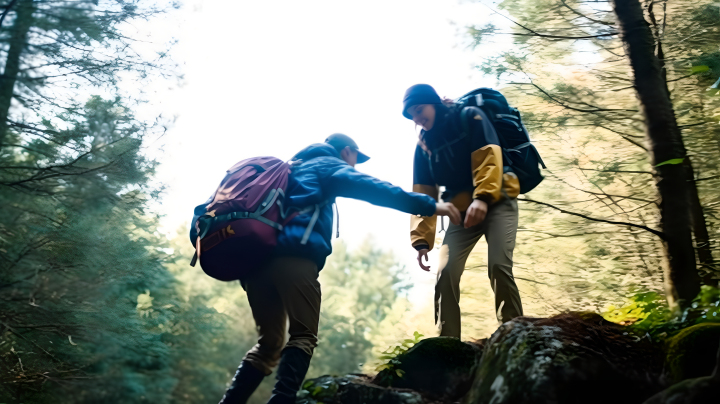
323	388
699	69
648	313
391	357
670	162
80	249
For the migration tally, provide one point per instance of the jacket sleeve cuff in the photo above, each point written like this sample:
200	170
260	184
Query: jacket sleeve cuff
485	198
421	247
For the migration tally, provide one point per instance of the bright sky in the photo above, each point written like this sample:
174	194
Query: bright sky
271	77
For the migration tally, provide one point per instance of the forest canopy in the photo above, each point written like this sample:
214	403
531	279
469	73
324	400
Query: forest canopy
98	304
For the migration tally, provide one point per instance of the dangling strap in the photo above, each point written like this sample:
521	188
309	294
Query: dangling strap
311	225
196	256
337	214
442	224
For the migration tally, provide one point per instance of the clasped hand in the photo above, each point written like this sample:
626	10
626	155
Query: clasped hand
473	216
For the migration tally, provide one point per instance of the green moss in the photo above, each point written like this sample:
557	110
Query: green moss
691	353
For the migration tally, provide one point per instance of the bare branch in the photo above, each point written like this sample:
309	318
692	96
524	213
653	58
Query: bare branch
585	16
624	136
596	109
617	171
595	219
7	10
537	34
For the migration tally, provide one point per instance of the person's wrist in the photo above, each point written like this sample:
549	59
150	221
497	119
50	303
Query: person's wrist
480	202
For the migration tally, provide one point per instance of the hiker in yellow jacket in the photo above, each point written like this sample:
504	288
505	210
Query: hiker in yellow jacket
465	158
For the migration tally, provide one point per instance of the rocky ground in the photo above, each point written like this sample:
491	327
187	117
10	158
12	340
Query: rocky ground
569	358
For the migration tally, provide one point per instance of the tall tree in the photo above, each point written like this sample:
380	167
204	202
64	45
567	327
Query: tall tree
667	152
80	256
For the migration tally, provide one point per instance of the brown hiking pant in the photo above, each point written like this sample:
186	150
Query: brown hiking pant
499	227
286	290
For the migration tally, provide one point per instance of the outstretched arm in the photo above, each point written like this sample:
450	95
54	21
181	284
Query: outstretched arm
349	183
345	181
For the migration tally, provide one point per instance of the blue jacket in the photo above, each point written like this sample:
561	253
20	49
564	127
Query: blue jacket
319	178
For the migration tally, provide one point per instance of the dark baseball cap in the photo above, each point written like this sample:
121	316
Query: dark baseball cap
340	141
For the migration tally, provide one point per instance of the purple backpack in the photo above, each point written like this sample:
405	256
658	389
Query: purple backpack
235	231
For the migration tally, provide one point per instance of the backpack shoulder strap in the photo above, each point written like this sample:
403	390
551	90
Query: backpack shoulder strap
467	115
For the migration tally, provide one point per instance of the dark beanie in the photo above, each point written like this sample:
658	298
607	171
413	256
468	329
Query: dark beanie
419	94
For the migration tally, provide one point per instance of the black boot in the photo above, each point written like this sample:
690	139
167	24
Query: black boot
294	365
247	379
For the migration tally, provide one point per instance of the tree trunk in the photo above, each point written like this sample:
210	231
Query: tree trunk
699	225
18	41
667	152
702	237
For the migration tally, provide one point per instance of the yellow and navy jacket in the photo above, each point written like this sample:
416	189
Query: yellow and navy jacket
468	163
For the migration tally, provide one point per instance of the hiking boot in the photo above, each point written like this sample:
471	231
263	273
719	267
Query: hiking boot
247	378
294	364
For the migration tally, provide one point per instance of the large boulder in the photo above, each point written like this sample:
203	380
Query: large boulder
441	368
570	358
690	353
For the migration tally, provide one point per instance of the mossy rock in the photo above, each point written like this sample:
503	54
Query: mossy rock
352	389
691	352
570	358
442	368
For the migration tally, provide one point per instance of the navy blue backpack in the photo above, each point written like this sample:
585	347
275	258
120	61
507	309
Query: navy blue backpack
519	154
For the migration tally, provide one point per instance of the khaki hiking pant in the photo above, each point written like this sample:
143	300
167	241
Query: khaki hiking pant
286	290
500	228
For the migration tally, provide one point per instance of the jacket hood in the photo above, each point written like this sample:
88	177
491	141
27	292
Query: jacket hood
316	150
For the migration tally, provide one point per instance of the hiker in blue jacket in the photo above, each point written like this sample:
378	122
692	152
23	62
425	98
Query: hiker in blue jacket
286	289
